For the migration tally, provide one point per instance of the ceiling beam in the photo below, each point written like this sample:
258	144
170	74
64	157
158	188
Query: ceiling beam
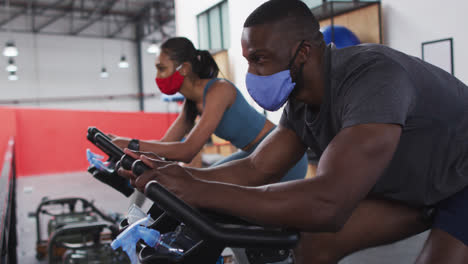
131	20
160	21
49	22
160	28
83	35
25	4
152	15
120	28
41	10
104	11
12	17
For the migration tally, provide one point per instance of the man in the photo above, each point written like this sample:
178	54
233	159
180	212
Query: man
390	131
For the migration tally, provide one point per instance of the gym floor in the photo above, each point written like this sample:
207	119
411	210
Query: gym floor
30	191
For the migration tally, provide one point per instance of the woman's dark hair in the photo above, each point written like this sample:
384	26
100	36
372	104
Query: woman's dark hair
181	50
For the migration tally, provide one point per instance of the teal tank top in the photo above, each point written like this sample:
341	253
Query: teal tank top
241	123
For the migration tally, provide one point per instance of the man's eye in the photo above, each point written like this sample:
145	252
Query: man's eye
257	59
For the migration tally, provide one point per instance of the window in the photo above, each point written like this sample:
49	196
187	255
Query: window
315	3
213	30
312	3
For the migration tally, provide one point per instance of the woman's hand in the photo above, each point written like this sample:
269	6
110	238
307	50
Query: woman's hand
136	154
121	142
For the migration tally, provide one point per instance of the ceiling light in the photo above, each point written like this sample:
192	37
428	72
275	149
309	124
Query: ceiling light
153	48
10	50
11	66
123	63
13	76
104	73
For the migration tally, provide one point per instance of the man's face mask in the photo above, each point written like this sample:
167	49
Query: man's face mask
170	85
272	91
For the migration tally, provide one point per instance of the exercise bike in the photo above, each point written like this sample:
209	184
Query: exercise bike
198	235
77	232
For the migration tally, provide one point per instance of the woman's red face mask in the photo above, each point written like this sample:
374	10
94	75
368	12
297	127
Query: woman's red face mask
170	85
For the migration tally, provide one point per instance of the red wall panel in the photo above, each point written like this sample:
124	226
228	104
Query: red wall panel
8	127
54	141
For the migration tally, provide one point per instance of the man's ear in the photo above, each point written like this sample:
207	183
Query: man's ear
305	52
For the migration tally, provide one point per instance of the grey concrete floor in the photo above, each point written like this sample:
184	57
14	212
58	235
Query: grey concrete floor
30	191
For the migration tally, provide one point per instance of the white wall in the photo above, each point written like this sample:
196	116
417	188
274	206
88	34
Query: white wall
409	23
63	66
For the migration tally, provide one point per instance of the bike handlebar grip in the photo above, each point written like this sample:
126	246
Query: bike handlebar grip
106	145
138	167
230	235
127	162
92	131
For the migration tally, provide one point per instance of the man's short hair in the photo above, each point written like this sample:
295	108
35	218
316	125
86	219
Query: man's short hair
297	17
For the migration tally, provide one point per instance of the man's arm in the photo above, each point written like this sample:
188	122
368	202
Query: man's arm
347	170
270	161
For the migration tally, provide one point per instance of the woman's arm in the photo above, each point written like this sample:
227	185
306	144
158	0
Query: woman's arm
181	126
218	98
269	162
178	129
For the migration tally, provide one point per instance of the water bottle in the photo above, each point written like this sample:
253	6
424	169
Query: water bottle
176	242
220	260
172	243
165	243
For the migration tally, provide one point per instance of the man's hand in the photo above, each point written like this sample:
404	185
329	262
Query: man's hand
174	178
169	174
157	162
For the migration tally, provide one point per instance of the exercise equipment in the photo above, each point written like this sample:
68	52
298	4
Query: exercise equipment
77	232
109	176
341	36
200	235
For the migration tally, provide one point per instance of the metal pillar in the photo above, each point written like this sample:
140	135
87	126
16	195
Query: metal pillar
138	39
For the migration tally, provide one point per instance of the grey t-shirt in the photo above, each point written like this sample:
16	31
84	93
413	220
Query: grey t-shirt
375	84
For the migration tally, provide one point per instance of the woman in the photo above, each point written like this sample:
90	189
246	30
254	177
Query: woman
220	105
